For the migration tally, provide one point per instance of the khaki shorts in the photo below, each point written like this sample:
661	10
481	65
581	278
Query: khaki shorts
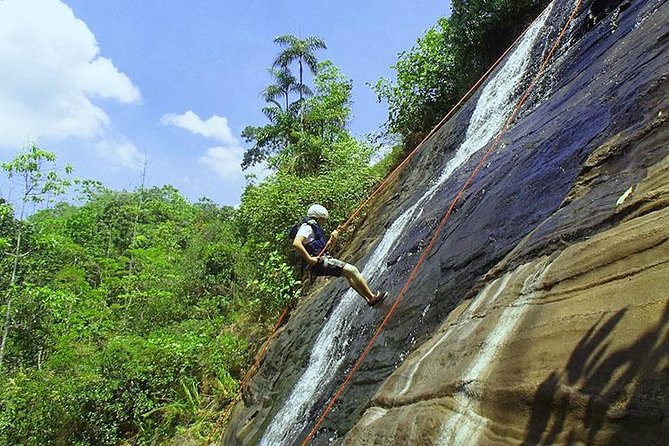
328	266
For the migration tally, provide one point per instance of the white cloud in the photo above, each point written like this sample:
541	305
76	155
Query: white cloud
225	161
51	72
122	153
215	127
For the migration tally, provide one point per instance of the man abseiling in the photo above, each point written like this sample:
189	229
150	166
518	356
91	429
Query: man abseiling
310	241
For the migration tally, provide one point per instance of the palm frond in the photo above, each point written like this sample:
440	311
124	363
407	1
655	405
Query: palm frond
310	61
286	39
273	112
272	92
315	42
296	49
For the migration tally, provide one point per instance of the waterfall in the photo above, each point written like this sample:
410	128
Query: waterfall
329	351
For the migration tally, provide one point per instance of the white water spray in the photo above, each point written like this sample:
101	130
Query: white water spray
492	109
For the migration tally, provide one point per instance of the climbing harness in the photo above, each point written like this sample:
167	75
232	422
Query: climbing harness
376	191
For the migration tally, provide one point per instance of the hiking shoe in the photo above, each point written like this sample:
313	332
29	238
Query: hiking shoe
378	298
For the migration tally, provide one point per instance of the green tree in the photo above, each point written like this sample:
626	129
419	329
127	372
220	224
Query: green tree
449	58
484	29
40	181
328	112
300	51
425	84
268	209
284	84
282	114
297	129
119	353
325	117
268	139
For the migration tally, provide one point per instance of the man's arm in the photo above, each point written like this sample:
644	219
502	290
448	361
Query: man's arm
333	238
298	244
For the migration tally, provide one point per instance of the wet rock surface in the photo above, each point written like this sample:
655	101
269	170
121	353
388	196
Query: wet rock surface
568	348
540	316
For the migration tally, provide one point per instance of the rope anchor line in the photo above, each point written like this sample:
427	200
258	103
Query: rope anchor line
377	190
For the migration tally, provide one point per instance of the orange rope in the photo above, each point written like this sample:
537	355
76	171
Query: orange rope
357	211
442	223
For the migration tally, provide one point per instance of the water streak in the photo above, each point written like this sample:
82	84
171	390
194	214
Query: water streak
466	424
463	331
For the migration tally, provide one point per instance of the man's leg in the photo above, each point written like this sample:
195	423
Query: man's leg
357	282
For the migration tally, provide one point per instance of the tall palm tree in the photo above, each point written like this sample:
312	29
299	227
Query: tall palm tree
300	51
282	113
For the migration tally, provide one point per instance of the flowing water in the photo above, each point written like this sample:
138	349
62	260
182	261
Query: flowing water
492	110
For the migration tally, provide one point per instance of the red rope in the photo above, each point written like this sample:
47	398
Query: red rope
442	223
391	176
357	211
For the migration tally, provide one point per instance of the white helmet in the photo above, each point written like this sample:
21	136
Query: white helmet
317	211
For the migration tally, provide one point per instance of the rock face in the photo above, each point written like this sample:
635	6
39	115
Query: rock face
541	314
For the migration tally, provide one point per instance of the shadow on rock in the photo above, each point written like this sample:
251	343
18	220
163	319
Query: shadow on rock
613	398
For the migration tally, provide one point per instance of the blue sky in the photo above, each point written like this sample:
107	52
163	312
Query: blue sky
108	84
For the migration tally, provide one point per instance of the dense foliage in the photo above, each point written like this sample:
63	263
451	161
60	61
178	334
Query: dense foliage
286	131
341	182
129	320
448	59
